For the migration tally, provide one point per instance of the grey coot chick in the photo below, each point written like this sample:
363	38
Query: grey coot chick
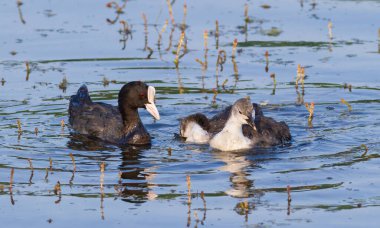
259	129
115	124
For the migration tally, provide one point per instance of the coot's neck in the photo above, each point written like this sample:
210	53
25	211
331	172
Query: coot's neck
130	117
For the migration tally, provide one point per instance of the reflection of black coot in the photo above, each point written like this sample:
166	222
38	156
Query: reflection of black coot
134	187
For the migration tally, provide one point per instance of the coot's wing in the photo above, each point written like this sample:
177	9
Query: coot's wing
197	118
270	131
94	119
218	121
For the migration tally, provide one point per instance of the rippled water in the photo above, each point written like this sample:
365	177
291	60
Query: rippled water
332	181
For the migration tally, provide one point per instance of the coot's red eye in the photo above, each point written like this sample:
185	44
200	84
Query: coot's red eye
142	95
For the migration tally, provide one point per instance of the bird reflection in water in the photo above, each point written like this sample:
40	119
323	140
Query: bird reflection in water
236	164
135	176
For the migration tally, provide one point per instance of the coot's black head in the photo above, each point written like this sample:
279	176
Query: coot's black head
134	95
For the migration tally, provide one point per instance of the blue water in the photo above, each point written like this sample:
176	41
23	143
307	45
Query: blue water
332	182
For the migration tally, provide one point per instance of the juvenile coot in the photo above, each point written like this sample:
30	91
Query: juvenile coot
115	124
240	126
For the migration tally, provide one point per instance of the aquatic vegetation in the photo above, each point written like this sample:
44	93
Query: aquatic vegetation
289	199
145	31
310	109
11	179
205	43
343	101
50	164
27	70
163	29
234	45
363	146
102	167
188	182
126	32
118	10
329	26
288	191
273	76
57	188
105	81
259	43
347	86
30	164
19	4
177	56
274	31
214	105
183	25
170	12
266	61
73	161
19	129
221	59
63	84
217	33
300	76
257	179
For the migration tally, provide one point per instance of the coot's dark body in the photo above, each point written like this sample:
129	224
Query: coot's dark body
115	124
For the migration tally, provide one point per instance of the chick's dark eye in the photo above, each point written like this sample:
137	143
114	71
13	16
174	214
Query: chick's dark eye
240	112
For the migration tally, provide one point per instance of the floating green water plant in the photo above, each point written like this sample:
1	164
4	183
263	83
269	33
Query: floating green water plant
274	31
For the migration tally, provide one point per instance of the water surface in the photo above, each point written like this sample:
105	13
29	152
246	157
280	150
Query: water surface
332	182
